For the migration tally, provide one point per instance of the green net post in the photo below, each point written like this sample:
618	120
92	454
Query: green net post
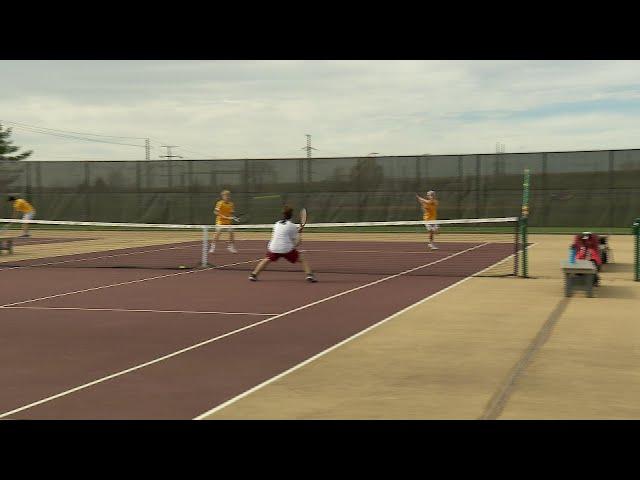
524	223
525	251
636	256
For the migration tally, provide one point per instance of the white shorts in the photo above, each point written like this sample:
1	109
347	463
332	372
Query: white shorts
29	216
432	227
221	228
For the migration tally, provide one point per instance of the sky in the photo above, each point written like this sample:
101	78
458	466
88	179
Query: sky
264	109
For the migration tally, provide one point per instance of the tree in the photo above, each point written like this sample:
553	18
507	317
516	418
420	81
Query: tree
6	147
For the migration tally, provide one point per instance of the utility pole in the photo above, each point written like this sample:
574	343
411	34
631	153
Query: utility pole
147	149
169	155
308	148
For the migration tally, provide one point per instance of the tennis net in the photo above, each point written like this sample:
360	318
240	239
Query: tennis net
490	247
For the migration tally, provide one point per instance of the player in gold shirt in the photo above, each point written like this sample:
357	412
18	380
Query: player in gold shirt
430	212
21	206
224	216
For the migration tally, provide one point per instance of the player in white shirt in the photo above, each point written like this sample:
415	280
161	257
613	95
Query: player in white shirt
284	240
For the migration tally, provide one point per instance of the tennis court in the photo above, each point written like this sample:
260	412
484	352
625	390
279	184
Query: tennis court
114	324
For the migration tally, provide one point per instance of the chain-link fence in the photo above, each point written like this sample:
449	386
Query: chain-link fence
595	188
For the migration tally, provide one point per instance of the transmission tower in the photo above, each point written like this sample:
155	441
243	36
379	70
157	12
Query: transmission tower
169	155
308	148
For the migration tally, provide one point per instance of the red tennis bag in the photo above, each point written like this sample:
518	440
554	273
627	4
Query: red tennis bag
587	248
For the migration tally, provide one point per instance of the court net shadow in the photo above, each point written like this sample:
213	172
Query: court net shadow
617	291
617	268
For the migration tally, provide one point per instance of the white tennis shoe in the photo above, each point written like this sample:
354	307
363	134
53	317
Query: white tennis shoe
213	248
433	247
232	249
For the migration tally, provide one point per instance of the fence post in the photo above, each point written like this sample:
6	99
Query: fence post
459	189
38	183
189	189
27	180
612	192
301	175
543	217
87	190
247	185
477	186
138	191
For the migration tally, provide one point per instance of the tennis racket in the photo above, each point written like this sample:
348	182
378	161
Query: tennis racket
303	219
239	218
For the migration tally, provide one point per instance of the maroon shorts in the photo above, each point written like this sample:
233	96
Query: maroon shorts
291	256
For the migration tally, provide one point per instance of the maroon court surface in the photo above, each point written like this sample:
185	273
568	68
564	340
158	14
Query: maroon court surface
154	343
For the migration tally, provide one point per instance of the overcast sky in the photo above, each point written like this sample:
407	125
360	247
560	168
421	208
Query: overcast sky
263	109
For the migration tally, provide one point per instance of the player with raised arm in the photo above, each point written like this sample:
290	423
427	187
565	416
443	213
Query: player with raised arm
224	209
430	212
21	206
284	241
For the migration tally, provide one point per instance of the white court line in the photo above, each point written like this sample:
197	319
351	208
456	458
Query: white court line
337	345
399	252
120	284
87	258
139	310
214	339
184	247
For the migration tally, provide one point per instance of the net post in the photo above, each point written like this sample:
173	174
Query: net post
205	239
524	220
525	250
636	234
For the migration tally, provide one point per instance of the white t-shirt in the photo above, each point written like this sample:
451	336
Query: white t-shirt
284	237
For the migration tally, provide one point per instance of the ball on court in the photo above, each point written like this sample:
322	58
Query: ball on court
182	266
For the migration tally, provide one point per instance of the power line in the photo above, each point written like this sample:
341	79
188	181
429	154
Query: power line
73	137
69	131
185	149
334	153
196	152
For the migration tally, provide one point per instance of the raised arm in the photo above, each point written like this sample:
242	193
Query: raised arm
420	199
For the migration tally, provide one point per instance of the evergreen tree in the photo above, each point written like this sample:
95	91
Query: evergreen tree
6	147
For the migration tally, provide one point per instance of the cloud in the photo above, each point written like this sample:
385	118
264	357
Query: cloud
239	109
